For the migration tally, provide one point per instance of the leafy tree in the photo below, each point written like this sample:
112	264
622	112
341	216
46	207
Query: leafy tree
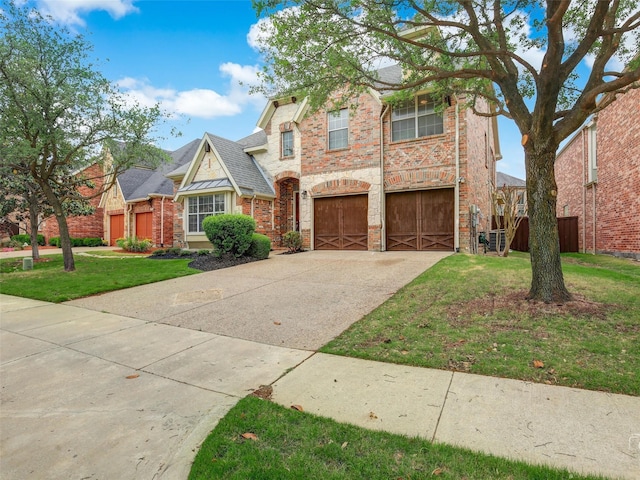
509	209
476	48
57	113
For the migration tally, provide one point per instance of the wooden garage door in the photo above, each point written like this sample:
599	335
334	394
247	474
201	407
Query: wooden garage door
340	223
116	228
144	225
420	220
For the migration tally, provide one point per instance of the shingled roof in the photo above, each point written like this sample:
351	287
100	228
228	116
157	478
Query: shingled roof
138	183
509	181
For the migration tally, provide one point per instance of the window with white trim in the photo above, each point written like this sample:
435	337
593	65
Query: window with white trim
202	207
416	118
592	147
338	128
287	143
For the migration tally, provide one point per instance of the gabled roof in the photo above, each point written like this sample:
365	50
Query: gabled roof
139	183
243	174
509	181
242	167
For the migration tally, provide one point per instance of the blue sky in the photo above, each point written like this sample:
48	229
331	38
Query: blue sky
191	56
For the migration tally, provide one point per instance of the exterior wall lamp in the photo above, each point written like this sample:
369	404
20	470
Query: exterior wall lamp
303	194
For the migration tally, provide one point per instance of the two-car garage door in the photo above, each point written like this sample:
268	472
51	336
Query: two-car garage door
417	220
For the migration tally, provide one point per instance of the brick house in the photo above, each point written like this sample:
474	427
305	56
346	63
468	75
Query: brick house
140	203
81	226
221	177
372	177
598	178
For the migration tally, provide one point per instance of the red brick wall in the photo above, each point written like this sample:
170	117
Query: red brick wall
618	188
262	214
177	220
363	150
616	192
82	226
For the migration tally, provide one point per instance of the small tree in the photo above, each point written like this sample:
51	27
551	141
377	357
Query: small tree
57	113
508	211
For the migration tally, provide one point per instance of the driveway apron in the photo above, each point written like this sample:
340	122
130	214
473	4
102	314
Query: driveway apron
128	384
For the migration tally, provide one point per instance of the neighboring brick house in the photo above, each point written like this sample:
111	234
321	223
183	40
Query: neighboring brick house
81	226
598	178
373	177
219	178
520	187
140	203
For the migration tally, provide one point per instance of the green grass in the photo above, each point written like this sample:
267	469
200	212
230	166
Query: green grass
295	445
49	282
468	313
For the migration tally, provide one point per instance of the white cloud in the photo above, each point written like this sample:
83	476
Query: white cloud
68	11
198	102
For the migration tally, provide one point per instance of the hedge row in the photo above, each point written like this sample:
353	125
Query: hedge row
78	242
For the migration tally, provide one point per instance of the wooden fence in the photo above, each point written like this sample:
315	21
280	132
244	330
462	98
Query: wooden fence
567	230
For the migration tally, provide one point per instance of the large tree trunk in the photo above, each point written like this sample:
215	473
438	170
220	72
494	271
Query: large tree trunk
33	224
65	240
547	282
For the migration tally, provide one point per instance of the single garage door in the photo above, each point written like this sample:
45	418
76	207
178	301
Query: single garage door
420	220
116	228
144	225
340	223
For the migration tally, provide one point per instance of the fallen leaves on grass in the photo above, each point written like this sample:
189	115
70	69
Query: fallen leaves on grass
263	391
249	436
538	364
298	408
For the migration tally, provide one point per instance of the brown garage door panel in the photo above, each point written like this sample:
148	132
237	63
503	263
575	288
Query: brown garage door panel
420	220
340	223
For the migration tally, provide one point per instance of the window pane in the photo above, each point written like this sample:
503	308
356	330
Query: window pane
193	223
219	205
406	110
205	204
339	119
287	144
338	139
425	105
193	205
403	129
430	125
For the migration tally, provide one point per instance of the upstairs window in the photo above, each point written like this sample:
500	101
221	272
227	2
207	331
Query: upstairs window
338	129
416	118
286	142
203	206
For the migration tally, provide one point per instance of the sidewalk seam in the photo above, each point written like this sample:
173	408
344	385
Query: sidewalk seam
444	404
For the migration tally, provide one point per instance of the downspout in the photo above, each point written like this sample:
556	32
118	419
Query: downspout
162	221
584	196
383	215
456	187
593	216
129	220
252	199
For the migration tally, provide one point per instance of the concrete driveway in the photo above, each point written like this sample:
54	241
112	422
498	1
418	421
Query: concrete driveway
298	301
126	385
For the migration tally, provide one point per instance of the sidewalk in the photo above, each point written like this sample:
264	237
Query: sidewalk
583	431
115	386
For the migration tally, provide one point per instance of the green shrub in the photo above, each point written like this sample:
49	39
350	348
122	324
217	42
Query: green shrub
229	233
159	253
54	241
92	242
25	238
175	251
204	252
293	241
260	246
132	244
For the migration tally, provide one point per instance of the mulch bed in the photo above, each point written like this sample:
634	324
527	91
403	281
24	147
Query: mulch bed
207	263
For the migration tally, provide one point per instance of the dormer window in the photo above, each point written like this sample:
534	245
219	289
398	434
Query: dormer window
416	118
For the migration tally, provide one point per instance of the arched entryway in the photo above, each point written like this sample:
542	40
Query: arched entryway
286	207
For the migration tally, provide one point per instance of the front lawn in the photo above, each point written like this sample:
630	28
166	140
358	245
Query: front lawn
94	274
469	313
